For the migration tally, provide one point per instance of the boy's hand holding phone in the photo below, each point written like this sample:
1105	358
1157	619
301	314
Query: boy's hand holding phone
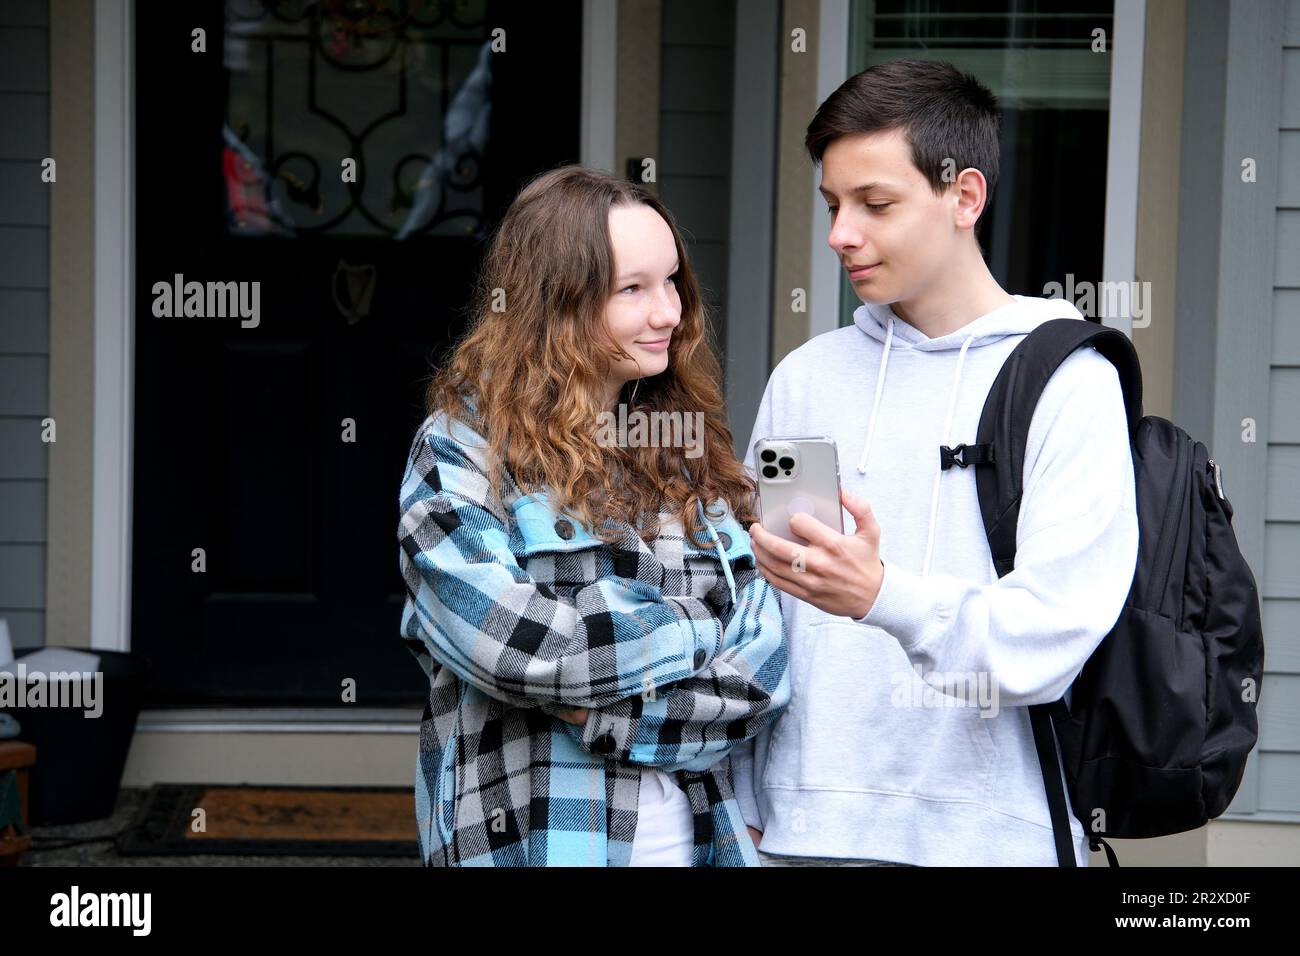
839	573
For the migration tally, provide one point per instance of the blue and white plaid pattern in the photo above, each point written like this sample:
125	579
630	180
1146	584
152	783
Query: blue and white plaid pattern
515	612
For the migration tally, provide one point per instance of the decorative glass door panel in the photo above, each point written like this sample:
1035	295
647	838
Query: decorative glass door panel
314	191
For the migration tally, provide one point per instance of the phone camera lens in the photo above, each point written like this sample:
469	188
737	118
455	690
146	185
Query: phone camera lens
769	471
768	455
786	462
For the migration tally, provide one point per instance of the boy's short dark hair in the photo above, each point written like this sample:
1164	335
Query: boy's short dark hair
945	114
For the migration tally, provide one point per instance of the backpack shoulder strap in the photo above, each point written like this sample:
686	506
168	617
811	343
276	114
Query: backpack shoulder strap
1009	408
999	481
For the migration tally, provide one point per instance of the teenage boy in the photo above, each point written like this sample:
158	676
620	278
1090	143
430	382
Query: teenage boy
907	740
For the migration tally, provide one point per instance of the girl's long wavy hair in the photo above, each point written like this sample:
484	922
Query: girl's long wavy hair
536	370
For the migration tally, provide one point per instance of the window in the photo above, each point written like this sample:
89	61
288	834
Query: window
1045	63
404	93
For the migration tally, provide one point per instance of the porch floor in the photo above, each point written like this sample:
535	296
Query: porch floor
104	852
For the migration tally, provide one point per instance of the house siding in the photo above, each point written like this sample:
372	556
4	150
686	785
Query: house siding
697	47
24	316
1278	788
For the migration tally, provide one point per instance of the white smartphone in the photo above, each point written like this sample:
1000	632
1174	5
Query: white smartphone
798	475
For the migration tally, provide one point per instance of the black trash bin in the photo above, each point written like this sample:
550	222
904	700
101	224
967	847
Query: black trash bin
79	759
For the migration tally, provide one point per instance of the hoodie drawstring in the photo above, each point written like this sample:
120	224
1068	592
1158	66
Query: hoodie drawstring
722	555
945	437
943	440
875	402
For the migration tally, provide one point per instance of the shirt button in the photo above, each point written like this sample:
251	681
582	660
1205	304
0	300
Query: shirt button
604	743
564	529
699	658
725	539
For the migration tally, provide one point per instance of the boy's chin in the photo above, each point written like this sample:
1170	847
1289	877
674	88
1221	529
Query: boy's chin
875	294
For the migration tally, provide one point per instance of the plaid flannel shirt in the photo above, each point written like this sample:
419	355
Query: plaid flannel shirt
515	612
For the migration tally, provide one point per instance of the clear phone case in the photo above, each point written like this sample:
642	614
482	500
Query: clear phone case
811	486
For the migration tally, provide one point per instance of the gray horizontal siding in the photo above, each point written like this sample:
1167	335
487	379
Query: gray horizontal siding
22	576
22	519
1281	617
1283	481
694	144
25	53
1281	569
1287	266
697	42
1284	400
26	628
23	197
1288	184
25	134
1278	783
24	257
24	453
24	321
25	13
697	22
1290	87
1286	327
24	316
696	79
24	384
1279	722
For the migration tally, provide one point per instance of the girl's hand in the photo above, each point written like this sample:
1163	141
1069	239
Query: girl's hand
576	716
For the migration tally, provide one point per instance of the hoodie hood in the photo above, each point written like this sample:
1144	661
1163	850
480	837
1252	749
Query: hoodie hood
881	323
1015	318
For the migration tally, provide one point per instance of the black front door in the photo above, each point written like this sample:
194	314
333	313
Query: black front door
314	192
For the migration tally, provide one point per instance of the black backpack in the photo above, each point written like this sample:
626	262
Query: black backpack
1162	715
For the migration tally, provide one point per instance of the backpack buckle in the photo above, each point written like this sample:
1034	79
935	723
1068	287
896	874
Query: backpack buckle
965	455
952	456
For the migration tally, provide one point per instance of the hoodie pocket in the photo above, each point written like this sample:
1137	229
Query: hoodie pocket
861	719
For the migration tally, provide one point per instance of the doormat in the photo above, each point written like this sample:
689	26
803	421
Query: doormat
273	821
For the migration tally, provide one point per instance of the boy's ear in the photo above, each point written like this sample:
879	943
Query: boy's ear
971	194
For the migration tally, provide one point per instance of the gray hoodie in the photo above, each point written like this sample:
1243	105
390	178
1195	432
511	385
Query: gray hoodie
907	737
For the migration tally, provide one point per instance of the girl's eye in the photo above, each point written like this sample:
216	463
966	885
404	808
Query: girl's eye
634	286
831	210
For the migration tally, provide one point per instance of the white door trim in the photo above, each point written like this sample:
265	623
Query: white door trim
110	568
1123	149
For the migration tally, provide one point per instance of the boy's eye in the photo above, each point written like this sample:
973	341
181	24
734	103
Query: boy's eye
877	207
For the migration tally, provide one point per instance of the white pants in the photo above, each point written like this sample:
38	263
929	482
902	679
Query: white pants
665	829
